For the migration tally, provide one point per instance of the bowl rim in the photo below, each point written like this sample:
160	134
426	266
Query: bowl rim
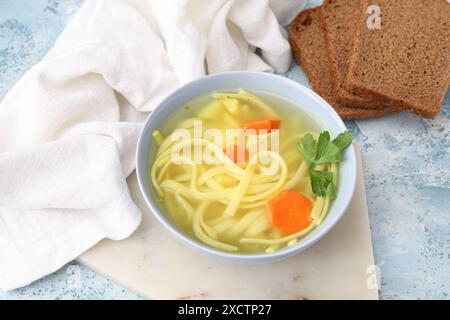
244	257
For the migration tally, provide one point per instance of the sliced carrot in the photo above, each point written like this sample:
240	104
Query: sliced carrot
275	123
263	125
290	212
258	126
236	153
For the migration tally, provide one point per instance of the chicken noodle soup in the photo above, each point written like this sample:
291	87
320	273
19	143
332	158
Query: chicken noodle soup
245	192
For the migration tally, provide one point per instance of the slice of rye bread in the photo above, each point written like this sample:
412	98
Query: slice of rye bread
340	18
307	38
408	59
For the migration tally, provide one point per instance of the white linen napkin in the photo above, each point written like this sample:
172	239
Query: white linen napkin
67	145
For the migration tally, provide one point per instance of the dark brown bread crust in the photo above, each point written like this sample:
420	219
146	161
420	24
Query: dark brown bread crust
408	59
307	38
339	21
340	18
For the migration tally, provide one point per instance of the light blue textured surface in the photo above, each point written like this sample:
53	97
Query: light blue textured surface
407	172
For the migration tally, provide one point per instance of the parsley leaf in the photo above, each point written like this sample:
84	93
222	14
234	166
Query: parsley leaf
322	153
324	140
331	191
343	140
307	148
332	154
320	180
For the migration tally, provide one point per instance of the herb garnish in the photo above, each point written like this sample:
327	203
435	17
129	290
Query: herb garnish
323	152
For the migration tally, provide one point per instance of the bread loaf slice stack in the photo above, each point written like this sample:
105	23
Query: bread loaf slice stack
367	70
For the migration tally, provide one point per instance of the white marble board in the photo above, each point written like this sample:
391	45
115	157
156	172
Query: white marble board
155	265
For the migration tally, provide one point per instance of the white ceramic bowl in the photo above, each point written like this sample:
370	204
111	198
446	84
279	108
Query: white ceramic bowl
306	100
